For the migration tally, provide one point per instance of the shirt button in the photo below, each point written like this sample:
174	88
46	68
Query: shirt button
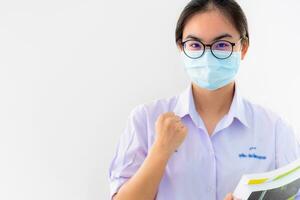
211	190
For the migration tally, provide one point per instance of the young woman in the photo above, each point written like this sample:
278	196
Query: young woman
198	144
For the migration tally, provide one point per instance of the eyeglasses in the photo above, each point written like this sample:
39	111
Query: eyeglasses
221	49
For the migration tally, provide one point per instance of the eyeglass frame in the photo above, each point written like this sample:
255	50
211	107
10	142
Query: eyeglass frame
210	45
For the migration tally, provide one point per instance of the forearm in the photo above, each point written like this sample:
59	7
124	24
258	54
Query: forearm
144	184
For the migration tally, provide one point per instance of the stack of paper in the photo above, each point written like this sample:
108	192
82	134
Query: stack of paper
280	184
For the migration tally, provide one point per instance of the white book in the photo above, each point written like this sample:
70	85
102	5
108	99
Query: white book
279	184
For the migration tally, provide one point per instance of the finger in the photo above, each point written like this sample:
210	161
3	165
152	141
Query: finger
176	117
166	116
179	128
229	197
169	114
177	120
181	125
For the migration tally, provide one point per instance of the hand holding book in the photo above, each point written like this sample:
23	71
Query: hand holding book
230	196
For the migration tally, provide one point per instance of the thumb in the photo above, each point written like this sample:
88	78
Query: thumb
228	197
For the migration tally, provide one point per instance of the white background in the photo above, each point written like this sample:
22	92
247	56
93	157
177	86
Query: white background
71	71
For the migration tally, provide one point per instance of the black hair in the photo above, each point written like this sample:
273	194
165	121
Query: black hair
230	8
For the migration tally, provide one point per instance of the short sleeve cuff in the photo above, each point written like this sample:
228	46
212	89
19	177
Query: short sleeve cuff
115	185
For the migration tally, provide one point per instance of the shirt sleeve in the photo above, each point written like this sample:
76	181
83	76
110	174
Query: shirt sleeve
131	150
287	146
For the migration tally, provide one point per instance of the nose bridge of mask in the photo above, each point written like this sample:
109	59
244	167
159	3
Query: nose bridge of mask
210	60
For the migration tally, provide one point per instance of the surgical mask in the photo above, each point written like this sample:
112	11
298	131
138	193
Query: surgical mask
210	72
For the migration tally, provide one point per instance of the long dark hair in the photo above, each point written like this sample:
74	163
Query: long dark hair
230	8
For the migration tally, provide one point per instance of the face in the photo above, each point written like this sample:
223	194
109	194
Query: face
210	26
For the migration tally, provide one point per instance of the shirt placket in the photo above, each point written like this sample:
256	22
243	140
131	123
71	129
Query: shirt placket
211	183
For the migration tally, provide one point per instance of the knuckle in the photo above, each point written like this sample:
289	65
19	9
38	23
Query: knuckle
169	113
177	117
168	121
185	129
160	117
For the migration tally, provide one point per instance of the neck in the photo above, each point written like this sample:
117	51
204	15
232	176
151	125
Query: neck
215	102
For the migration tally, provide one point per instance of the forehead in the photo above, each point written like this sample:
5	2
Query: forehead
208	25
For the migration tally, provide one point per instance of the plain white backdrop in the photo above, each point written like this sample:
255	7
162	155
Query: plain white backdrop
71	71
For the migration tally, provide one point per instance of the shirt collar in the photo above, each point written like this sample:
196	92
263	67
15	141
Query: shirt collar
238	107
185	106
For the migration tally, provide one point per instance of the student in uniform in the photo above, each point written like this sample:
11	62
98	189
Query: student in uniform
198	144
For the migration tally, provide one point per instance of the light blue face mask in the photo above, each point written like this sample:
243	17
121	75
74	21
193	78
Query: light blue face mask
210	72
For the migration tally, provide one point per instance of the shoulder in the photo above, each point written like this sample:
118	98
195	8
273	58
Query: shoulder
265	118
262	115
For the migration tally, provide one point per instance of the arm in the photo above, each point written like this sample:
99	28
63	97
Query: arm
144	183
287	145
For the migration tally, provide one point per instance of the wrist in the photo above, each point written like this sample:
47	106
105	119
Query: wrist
160	151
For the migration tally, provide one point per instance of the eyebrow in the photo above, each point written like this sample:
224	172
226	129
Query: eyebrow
225	35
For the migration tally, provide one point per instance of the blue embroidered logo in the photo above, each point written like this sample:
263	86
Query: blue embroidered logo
252	148
252	155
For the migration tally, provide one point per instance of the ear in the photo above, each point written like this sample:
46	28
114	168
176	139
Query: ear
179	46
245	45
